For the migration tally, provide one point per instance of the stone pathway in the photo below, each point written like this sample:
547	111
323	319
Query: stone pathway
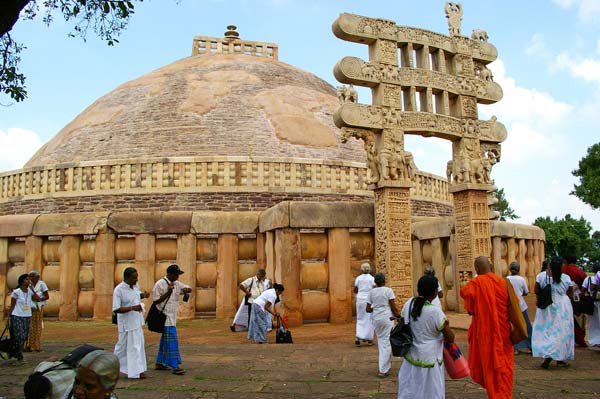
322	363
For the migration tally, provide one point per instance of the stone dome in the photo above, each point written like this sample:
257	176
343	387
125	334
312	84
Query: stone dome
217	105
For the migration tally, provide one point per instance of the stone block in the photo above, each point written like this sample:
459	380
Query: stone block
211	222
17	225
437	228
331	214
70	224
156	222
502	229
275	217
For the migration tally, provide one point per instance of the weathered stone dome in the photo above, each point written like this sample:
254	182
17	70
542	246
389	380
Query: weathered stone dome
218	105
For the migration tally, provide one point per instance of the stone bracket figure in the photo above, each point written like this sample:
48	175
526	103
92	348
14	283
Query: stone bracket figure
347	94
454	12
480	35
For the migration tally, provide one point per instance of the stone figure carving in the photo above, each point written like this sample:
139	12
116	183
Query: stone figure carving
368	71
466	169
482	72
347	94
410	165
480	35
454	14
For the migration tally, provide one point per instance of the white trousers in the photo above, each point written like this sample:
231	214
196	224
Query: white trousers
383	327
131	352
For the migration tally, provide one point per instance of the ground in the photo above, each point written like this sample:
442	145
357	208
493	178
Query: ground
322	363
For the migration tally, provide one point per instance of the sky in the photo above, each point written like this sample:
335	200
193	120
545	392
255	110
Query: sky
548	67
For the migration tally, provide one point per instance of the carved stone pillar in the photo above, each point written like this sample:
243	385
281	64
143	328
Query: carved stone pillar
33	254
104	275
340	279
472	232
186	259
69	277
145	263
393	246
287	272
3	271
261	254
270	255
227	275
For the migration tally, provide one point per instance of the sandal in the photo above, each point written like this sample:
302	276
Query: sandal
562	364
232	328
178	371
546	363
357	342
382	375
160	367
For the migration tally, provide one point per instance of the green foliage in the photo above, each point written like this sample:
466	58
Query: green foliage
106	18
588	189
568	236
503	207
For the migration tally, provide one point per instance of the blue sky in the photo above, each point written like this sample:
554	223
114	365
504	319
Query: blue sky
548	66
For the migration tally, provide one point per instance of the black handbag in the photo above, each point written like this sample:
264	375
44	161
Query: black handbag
585	304
8	345
156	318
401	336
544	298
283	335
114	318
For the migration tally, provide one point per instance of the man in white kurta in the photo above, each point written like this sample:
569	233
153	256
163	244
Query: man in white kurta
130	319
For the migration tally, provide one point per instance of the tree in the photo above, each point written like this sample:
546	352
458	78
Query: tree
503	207
588	189
569	236
106	18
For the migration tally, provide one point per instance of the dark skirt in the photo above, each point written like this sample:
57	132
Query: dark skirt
19	330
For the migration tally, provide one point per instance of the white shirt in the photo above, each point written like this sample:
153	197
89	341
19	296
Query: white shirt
171	305
24	302
39	289
365	283
427	347
124	295
379	298
255	287
436	301
520	286
268	296
587	283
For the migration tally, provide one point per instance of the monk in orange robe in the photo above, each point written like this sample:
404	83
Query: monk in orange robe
491	356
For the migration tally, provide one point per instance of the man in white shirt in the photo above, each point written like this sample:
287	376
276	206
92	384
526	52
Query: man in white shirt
128	306
165	295
252	287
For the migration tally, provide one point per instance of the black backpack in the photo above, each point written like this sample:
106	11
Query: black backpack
8	345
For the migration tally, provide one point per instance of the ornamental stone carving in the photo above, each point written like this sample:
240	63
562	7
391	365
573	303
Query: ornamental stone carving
347	94
479	35
454	14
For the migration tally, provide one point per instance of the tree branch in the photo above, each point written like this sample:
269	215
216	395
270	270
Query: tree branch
9	13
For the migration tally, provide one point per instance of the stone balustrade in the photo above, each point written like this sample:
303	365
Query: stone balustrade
203	174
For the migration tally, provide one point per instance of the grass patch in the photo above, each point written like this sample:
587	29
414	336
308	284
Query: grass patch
200	377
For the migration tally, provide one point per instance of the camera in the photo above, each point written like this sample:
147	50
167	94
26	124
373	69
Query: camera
186	296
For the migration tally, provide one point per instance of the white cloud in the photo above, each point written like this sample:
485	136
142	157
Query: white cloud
16	147
587	10
537	46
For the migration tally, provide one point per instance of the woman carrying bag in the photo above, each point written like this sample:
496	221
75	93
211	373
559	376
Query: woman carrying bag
422	373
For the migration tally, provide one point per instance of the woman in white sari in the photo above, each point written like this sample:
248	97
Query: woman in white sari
421	375
591	283
362	285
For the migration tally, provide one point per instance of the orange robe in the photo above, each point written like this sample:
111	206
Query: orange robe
491	356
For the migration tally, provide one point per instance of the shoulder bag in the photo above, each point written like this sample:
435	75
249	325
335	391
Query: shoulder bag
401	336
518	331
156	318
283	335
250	291
544	298
586	301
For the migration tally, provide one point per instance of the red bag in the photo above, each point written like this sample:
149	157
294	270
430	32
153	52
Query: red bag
455	362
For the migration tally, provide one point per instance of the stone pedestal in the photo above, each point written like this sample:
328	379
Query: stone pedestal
340	279
145	263
3	271
69	277
186	259
288	272
104	275
227	275
472	232
393	246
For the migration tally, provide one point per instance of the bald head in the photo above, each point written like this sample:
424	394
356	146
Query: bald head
483	265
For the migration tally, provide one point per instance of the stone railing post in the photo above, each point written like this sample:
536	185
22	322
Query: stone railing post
287	272
340	279
69	277
227	275
104	275
145	263
186	259
3	271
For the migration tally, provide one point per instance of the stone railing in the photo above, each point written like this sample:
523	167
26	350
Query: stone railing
203	174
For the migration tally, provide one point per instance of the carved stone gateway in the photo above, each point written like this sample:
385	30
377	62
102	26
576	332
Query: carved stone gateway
433	92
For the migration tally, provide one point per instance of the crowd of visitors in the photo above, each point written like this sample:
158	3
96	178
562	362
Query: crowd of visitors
557	327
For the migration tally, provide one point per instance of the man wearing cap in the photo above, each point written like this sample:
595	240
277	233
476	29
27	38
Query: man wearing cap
165	294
